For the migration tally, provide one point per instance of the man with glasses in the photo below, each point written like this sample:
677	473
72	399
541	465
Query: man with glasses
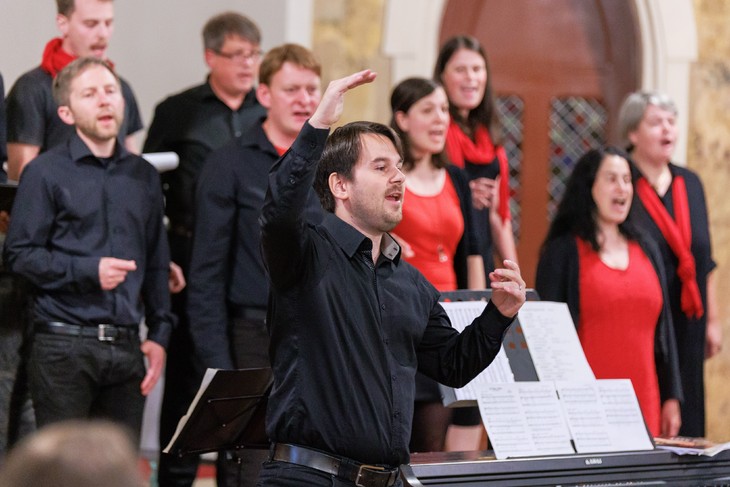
193	123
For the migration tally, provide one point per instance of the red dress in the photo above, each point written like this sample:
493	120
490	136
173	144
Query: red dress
433	226
619	311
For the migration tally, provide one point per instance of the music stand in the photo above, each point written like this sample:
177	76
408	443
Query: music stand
227	413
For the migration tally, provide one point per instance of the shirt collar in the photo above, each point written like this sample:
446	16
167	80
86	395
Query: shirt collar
351	240
207	93
79	150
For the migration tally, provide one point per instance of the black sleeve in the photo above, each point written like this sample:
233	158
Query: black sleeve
557	274
283	217
666	356
469	243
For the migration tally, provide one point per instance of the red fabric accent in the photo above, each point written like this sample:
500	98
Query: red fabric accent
461	148
55	58
619	312
433	226
678	236
280	150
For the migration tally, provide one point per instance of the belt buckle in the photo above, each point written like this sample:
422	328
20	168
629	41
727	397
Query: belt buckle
366	467
102	334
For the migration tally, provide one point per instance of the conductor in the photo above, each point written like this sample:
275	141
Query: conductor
351	322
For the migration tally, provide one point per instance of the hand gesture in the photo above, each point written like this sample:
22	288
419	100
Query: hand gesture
508	288
333	100
175	279
155	354
113	271
484	192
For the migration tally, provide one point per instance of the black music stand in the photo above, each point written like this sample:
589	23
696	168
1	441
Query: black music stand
227	413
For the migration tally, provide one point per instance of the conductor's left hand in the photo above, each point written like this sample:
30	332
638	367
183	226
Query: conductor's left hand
508	288
155	354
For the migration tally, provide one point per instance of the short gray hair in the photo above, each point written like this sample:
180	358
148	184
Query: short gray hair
633	109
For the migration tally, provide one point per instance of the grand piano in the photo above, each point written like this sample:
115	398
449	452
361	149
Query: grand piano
641	468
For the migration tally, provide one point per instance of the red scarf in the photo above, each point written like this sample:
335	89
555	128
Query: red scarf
679	237
55	58
461	148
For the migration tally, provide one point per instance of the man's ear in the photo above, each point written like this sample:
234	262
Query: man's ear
263	95
64	113
339	186
62	24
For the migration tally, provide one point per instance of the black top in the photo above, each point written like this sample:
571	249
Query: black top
347	336
33	114
557	279
192	124
690	332
73	208
226	270
469	244
482	227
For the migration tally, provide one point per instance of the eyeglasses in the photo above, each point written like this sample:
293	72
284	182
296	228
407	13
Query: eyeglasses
240	56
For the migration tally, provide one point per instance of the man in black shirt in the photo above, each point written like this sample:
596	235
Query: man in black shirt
228	291
87	231
350	322
193	123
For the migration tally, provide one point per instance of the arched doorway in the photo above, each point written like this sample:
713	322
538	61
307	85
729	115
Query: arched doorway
560	71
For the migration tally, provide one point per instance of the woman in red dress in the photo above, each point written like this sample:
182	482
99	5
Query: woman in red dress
612	278
437	238
473	143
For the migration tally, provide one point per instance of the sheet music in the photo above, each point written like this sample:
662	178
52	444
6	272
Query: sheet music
462	313
553	342
162	161
524	419
603	416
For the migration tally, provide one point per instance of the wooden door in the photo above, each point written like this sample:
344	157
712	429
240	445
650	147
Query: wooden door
560	70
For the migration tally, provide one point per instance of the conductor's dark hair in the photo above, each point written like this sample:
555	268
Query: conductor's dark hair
341	153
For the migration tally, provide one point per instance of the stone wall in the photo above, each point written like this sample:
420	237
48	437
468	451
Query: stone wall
708	153
347	38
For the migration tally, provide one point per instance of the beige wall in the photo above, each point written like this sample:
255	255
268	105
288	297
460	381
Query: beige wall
708	153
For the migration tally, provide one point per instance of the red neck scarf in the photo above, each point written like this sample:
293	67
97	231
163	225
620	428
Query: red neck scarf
460	148
678	235
55	58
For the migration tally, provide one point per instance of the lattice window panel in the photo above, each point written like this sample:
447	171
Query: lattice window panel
576	126
510	111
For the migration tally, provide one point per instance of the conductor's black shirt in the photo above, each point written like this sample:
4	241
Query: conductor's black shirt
347	336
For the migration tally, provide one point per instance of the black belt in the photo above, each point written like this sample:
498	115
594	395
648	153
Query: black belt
102	332
248	313
361	474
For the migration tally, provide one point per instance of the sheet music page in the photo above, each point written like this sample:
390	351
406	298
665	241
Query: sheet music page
553	342
524	419
603	416
462	313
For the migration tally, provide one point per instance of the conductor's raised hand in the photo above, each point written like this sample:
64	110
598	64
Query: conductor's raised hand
508	288
330	107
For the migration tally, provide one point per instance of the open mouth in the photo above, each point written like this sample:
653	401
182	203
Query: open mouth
395	197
